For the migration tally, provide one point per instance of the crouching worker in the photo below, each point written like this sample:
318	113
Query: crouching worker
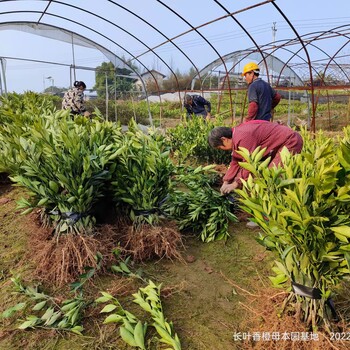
198	106
250	135
73	100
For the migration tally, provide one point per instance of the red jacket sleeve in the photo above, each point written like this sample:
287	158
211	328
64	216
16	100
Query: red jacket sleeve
235	172
252	111
276	100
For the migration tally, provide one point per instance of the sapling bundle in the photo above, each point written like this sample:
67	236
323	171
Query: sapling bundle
303	210
142	177
66	167
140	185
196	206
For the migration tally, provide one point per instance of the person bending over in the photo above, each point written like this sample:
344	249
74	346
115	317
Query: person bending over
198	106
250	135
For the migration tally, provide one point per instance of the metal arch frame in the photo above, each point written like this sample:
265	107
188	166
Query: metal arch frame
195	29
200	34
310	42
45	12
300	39
120	28
313	121
250	37
283	45
331	58
246	53
159	32
78	35
239	53
130	34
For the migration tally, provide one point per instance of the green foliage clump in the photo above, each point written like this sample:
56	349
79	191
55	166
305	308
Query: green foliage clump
65	166
18	114
142	176
189	140
303	209
197	206
24	109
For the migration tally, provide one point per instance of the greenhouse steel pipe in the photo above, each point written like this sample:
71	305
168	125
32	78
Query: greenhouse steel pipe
124	30
313	125
97	32
161	33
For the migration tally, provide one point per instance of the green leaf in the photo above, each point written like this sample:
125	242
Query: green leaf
281	267
27	324
53	186
53	318
347	258
139	335
77	330
10	311
292	215
113	318
278	280
127	336
341	237
27	211
109	308
343	230
39	306
42	202
48	314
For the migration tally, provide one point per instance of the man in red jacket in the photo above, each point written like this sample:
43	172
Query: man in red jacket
250	135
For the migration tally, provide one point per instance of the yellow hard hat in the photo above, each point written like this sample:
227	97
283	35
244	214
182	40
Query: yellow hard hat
250	67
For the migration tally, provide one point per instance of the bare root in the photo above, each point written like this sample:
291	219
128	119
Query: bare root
150	242
62	261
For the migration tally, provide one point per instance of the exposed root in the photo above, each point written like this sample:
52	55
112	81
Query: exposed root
267	316
265	319
62	261
150	242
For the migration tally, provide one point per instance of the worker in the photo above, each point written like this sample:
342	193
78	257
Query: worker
197	105
262	98
250	135
73	99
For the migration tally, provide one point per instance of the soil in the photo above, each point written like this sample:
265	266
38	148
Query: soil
215	296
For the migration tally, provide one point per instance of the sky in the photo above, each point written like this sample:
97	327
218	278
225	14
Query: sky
34	63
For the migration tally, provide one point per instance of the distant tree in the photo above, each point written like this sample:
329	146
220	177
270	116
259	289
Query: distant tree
54	90
180	81
116	84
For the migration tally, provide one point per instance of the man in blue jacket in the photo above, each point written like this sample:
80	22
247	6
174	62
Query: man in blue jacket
261	96
197	105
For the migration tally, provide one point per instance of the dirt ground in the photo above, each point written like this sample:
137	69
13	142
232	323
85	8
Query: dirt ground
218	296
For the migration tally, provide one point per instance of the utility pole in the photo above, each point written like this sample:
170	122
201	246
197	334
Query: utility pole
274	30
